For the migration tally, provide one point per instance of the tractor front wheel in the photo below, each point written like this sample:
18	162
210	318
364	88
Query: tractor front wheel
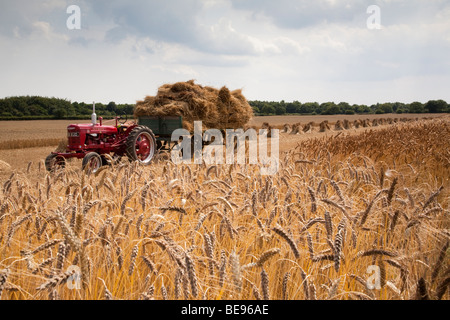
141	145
92	162
54	161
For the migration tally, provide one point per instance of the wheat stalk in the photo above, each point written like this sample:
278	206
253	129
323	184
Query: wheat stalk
266	256
265	284
278	230
192	275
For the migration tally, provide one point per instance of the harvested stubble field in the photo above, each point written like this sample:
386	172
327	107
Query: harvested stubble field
338	206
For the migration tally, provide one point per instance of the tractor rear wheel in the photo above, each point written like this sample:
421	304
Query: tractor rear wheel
91	162
54	161
141	145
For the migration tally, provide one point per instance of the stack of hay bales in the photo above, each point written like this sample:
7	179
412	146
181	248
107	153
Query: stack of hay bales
265	125
338	126
218	109
323	127
347	124
286	128
296	128
365	123
309	127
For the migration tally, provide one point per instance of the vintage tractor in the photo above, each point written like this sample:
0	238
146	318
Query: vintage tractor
99	145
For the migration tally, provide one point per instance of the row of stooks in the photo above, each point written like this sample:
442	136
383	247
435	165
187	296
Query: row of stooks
345	124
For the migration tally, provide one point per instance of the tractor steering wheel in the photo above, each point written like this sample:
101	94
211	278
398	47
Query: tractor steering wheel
123	118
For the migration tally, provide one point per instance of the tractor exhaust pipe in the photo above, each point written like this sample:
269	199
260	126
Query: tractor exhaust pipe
93	116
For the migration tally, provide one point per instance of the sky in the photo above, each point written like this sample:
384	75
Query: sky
360	52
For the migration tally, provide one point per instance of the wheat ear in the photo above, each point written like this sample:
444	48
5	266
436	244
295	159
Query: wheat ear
278	230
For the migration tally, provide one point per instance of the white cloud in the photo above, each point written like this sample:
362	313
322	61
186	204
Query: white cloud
274	50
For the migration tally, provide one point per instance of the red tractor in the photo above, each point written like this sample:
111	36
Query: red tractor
92	142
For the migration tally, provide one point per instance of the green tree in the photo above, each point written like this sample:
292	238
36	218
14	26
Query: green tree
293	107
436	106
385	108
267	109
280	109
362	108
398	105
60	113
416	107
308	107
330	108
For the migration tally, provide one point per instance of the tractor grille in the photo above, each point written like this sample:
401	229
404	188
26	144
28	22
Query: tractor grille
74	139
74	142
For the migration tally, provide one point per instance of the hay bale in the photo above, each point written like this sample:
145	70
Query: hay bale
375	123
323	127
286	128
219	109
338	126
246	127
269	131
266	126
308	128
365	123
357	124
347	125
390	121
296	128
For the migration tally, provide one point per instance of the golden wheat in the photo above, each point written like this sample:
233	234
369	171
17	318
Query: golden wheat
337	206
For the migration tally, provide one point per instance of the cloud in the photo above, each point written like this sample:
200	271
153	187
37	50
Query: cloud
18	17
169	21
302	13
173	22
288	49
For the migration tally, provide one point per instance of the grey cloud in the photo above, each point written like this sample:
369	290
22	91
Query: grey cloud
170	21
18	16
297	14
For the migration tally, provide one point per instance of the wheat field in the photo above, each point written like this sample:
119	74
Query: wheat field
340	207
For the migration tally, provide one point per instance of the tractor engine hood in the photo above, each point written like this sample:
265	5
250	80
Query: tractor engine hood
88	128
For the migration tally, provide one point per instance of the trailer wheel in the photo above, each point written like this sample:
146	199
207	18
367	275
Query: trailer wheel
141	145
91	162
54	161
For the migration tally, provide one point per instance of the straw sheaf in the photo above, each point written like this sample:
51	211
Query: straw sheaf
219	109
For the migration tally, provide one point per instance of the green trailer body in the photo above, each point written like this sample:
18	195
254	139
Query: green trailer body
162	128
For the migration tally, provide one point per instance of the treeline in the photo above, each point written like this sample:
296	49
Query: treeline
313	108
35	107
